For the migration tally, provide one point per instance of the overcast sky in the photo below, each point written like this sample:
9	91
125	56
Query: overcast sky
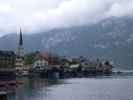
38	15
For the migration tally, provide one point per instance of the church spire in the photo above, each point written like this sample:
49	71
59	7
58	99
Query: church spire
20	49
20	53
20	38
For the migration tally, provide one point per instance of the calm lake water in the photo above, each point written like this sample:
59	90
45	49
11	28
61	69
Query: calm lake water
94	88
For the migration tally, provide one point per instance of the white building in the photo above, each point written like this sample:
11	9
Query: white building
40	64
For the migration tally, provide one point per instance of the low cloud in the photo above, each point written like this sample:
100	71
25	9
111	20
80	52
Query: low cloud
40	15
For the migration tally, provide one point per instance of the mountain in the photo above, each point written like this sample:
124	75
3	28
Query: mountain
109	39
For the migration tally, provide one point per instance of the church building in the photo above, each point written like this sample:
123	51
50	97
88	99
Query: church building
20	53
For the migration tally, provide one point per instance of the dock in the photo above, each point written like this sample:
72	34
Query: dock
3	95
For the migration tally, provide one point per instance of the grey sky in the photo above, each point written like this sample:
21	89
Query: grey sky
37	15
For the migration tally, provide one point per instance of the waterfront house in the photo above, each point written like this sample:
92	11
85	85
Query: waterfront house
107	67
40	63
7	60
7	68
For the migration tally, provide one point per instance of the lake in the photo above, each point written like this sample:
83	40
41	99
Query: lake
93	88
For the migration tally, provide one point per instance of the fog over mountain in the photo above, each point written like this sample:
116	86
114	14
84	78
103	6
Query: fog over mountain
109	39
36	16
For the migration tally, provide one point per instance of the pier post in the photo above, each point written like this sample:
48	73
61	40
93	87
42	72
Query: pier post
3	95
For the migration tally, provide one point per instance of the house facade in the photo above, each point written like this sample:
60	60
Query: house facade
40	64
7	66
7	60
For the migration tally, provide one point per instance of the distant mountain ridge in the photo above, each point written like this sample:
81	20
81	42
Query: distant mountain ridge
111	39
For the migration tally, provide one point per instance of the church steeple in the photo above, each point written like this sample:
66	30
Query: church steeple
20	53
20	38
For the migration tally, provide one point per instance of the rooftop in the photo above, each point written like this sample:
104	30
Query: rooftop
6	53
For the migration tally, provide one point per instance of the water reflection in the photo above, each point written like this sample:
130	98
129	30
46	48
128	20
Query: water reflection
94	88
32	88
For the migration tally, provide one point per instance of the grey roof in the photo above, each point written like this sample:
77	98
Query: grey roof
6	53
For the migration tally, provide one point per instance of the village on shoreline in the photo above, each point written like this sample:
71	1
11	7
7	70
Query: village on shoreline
46	63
